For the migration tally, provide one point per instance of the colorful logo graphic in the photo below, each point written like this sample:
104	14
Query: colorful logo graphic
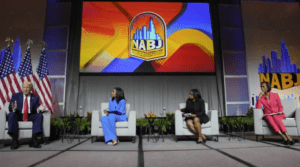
147	42
281	74
282	65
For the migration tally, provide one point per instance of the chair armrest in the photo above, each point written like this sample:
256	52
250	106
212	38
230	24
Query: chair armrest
132	123
178	122
95	122
258	119
297	117
213	116
46	123
2	123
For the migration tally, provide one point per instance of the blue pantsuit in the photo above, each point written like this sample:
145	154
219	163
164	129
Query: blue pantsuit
117	114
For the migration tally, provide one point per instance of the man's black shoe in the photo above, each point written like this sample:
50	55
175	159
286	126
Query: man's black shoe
14	145
34	144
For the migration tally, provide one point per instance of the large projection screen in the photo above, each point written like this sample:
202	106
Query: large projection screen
146	37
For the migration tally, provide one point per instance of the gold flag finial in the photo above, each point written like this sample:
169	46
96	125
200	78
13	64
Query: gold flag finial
8	40
29	42
44	43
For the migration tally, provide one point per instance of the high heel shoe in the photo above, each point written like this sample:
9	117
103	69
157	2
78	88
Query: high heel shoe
204	140
117	142
199	142
292	142
286	142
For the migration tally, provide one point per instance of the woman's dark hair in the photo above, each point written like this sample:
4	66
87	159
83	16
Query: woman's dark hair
119	94
267	84
196	94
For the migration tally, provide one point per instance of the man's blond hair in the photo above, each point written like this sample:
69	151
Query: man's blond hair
28	83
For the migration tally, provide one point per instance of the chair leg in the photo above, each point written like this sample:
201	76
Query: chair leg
133	139
92	141
217	140
176	138
256	137
263	136
45	140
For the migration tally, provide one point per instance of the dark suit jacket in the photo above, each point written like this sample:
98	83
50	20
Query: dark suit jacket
34	104
197	107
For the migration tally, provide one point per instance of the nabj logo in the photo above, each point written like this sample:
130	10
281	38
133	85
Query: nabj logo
147	37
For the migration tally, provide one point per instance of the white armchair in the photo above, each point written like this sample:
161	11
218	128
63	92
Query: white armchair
211	128
122	128
292	125
25	128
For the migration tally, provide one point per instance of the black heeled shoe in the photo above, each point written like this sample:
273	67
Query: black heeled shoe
286	142
204	140
292	142
199	142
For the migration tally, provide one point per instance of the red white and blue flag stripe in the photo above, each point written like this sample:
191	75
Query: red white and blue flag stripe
10	82
43	83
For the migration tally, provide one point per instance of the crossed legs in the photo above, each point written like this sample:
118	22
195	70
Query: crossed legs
195	126
276	122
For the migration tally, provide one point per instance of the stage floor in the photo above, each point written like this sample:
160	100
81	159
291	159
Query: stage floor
185	152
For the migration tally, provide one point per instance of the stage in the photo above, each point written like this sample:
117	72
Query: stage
185	152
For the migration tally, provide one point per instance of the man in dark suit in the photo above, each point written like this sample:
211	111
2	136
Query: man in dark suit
25	106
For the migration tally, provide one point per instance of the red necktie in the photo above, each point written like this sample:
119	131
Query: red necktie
25	114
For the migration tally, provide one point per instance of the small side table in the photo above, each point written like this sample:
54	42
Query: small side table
161	119
237	130
70	137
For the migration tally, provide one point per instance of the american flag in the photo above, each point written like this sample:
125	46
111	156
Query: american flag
26	74
44	82
9	80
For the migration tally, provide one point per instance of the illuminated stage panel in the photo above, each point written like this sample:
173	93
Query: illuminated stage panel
57	89
56	38
232	39
236	89
56	63
238	68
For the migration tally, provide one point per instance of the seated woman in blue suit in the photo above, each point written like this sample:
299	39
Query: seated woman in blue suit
116	113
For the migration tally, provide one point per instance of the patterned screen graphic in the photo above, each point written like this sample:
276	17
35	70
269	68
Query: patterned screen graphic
146	37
